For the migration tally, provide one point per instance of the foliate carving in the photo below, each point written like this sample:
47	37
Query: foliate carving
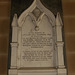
37	13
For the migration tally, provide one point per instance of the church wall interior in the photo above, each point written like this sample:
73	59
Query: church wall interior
69	32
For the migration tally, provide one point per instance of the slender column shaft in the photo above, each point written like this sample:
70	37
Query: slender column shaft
14	44
60	42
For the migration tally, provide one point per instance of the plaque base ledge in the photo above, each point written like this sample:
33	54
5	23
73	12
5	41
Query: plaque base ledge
38	72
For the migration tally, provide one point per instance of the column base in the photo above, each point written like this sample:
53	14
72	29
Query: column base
13	72
62	72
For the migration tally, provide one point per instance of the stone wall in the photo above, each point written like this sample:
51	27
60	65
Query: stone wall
4	35
69	27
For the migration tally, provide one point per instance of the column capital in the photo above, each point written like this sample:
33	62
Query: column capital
14	44
59	43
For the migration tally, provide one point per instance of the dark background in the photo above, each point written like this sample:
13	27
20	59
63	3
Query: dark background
18	6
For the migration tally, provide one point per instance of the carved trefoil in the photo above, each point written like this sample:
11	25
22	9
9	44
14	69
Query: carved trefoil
37	45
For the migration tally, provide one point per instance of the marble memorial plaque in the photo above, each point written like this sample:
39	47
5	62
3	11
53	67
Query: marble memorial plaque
37	38
37	42
37	45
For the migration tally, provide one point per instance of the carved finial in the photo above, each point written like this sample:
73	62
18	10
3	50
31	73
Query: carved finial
59	20
14	22
37	13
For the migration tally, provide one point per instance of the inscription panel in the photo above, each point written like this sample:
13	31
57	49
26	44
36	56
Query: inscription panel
37	45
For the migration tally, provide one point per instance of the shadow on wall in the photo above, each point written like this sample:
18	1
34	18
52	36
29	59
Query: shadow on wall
18	6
